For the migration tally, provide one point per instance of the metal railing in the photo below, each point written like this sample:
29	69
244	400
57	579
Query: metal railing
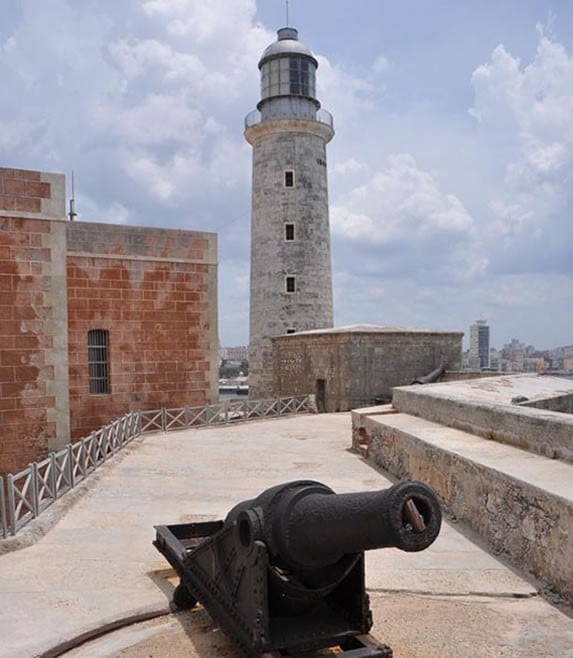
322	116
25	495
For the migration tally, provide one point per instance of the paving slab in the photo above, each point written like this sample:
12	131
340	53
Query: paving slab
414	626
97	564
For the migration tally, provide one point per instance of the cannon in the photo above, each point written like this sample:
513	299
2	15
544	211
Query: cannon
284	572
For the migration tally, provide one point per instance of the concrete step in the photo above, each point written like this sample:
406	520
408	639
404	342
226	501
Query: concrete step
520	503
484	407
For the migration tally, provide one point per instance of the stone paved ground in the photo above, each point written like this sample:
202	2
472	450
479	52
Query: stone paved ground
97	564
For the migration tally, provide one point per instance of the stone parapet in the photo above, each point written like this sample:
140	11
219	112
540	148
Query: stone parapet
542	431
520	503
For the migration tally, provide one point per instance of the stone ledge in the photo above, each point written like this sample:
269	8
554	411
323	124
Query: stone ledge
547	433
523	518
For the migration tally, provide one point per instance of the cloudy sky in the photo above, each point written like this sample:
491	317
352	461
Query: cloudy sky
450	175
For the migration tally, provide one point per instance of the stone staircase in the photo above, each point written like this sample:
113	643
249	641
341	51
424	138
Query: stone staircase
504	469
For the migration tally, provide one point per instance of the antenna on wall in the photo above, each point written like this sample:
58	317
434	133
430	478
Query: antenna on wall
73	214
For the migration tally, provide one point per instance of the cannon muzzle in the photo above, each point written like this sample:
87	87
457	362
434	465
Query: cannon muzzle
305	524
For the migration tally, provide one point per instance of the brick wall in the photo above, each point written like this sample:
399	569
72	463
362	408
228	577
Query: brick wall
32	194
33	367
154	291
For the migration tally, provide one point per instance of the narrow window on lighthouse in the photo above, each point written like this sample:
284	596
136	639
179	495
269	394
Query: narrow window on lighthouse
290	284
289	178
289	232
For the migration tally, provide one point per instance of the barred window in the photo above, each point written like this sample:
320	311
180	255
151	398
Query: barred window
289	178
290	285
98	361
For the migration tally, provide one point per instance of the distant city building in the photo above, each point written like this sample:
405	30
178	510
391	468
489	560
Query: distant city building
535	364
479	356
513	354
240	353
495	359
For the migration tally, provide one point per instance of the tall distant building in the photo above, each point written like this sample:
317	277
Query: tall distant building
291	279
479	345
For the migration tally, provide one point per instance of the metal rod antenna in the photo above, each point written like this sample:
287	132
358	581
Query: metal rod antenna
73	214
287	13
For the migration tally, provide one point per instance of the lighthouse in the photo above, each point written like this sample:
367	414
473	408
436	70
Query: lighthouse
291	275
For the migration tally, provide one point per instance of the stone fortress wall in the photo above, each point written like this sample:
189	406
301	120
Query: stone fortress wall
359	365
153	290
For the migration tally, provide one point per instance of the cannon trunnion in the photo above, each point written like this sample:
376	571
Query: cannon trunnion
284	572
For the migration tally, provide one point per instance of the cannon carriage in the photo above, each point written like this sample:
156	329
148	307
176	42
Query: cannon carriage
284	573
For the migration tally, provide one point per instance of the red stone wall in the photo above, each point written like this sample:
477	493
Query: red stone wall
154	291
28	422
22	191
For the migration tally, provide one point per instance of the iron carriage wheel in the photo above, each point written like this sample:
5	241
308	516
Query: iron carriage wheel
182	598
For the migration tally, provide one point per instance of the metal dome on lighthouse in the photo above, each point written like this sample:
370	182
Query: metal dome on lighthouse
288	78
291	279
288	82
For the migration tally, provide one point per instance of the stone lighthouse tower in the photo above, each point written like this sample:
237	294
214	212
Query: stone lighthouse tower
291	278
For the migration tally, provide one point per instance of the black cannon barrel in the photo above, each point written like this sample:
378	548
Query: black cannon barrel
305	524
321	528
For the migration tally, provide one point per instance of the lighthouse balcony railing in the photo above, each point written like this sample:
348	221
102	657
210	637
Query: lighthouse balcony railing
322	116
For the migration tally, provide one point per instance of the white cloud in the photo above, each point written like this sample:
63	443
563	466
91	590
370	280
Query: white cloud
401	223
400	203
533	104
381	64
346	96
203	20
349	167
158	119
14	132
113	213
138	57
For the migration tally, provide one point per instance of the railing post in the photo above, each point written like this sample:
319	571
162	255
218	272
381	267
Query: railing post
71	476
3	511
11	503
226	407
121	432
83	466
34	488
53	479
164	419
94	448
